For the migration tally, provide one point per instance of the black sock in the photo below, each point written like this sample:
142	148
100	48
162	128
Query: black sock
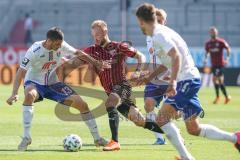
217	89
152	126
222	86
113	122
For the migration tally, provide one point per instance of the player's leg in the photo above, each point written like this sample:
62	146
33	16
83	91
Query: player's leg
113	117
149	105
111	103
211	132
165	115
223	88
216	86
30	96
62	93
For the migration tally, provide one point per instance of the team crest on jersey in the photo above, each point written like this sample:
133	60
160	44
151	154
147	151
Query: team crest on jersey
151	50
25	62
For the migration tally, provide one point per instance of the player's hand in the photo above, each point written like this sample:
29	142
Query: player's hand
226	62
101	65
171	90
13	98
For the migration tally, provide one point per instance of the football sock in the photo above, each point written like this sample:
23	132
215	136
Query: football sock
174	136
152	116
212	132
27	120
223	89
91	123
152	126
113	122
216	89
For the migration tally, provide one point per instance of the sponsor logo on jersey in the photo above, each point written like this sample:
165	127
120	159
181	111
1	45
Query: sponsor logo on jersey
25	61
47	65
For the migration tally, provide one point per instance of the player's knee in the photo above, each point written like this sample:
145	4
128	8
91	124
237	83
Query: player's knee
149	105
30	95
112	101
80	104
193	131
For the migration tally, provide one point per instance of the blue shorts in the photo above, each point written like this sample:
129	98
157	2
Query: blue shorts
57	92
155	92
186	99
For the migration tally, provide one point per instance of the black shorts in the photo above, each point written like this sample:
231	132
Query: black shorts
217	71
124	91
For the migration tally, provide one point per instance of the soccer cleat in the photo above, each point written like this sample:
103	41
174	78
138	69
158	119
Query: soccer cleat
24	144
227	99
160	141
100	142
112	146
216	101
237	145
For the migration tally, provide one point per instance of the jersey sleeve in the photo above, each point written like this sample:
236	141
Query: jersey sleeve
126	49
163	43
225	44
67	49
28	59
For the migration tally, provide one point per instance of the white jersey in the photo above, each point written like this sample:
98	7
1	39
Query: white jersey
41	63
163	40
154	61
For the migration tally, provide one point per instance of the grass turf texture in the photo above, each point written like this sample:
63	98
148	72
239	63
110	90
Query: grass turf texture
48	132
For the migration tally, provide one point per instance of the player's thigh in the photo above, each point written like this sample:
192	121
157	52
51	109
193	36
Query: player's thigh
136	116
166	114
31	94
192	125
112	100
77	102
149	104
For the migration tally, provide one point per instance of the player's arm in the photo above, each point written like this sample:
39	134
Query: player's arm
27	61
176	63
206	55
87	58
16	84
226	45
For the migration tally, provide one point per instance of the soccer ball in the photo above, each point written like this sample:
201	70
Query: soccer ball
72	143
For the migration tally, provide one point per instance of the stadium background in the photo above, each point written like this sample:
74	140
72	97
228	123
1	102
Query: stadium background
190	18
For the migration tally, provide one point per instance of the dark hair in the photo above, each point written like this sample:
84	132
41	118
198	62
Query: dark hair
55	33
146	12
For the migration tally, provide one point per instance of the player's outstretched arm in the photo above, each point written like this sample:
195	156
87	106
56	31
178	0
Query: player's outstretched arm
141	59
101	65
16	84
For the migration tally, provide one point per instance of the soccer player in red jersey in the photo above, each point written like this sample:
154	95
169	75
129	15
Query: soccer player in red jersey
114	81
215	47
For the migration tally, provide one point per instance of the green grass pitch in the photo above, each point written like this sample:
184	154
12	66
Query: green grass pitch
48	132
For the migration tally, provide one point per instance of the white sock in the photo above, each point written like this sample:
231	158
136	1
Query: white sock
212	132
152	116
27	120
92	125
174	136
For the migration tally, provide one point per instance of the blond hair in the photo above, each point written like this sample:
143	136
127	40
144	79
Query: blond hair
161	13
99	23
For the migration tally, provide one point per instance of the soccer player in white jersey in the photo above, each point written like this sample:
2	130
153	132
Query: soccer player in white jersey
151	101
38	67
183	87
